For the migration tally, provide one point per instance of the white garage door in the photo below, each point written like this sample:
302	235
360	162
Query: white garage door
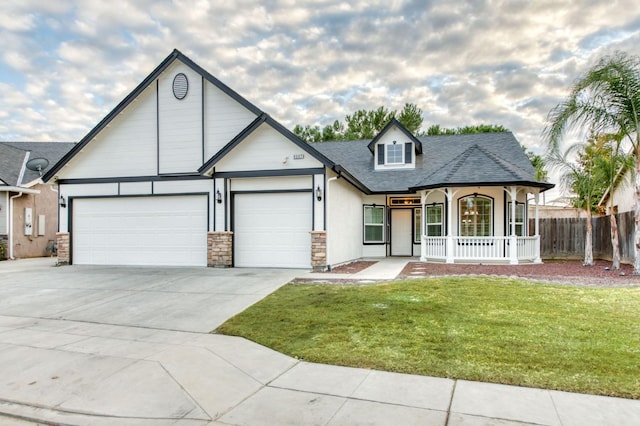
272	230
156	230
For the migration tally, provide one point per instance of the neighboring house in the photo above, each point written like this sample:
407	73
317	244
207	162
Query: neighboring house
28	208
623	194
185	171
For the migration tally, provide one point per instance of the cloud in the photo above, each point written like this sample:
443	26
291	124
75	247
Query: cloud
67	64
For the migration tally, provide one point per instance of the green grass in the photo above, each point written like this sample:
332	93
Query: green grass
486	329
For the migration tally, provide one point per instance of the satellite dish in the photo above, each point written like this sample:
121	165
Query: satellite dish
37	164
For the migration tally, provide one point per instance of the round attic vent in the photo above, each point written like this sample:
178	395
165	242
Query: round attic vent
180	86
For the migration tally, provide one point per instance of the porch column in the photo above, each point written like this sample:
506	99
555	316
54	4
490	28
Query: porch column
449	195
513	239
538	259
423	243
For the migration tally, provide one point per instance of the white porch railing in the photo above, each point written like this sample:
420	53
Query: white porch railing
480	248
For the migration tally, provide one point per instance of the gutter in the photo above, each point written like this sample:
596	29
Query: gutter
11	224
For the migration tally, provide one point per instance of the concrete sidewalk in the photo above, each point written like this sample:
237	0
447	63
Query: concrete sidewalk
385	269
67	372
127	346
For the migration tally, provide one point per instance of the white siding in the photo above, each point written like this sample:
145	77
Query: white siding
180	122
224	119
271	183
135	188
266	149
126	147
182	186
220	214
344	222
318	206
4	212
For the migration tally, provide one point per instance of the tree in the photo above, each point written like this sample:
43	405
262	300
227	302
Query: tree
606	99
583	184
602	157
537	161
362	124
436	130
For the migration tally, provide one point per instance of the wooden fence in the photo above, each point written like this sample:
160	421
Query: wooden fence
563	238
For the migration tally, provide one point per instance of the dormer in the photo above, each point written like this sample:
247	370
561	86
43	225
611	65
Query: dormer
395	148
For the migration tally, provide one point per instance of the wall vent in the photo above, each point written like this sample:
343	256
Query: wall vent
180	86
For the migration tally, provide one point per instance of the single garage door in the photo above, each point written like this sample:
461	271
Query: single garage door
272	230
157	230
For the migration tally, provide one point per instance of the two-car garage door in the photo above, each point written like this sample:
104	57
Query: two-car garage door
154	230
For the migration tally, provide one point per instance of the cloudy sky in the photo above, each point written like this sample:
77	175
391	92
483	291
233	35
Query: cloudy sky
66	64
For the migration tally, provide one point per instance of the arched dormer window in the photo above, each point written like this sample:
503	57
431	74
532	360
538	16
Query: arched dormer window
475	214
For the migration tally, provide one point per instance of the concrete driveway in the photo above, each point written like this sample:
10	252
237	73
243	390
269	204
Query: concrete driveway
182	299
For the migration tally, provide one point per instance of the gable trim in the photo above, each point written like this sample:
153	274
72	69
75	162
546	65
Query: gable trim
175	55
263	118
395	122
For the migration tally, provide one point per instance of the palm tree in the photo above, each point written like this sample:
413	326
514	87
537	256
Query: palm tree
605	100
583	184
611	164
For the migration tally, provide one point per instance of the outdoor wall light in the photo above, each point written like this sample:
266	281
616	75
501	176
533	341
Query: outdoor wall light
219	197
319	193
61	202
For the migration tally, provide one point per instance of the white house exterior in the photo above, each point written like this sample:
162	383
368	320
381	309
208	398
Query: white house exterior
186	172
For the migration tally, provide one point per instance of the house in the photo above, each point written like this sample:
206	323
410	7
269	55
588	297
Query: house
185	171
28	207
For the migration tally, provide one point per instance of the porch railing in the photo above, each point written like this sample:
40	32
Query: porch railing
480	248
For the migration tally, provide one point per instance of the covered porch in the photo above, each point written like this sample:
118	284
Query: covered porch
461	226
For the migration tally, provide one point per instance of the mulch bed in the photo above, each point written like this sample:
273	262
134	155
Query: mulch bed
569	271
554	271
352	267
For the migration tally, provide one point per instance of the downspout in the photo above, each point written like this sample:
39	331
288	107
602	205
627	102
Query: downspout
11	224
326	219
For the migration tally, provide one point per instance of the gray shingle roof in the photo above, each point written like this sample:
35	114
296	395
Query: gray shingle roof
452	160
12	159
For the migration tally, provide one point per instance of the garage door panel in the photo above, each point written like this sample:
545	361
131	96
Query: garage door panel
140	231
272	230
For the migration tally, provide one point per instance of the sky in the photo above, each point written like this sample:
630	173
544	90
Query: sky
65	64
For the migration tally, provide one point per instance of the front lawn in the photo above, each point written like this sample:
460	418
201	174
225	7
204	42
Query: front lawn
497	330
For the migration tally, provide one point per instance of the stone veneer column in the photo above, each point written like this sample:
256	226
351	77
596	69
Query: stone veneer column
220	249
62	240
319	250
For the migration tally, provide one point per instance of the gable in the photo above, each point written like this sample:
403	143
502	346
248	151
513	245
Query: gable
265	148
126	147
153	131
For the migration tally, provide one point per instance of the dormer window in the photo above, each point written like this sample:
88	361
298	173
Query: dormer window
394	153
395	148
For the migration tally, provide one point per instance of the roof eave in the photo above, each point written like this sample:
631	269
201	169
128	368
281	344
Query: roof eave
543	185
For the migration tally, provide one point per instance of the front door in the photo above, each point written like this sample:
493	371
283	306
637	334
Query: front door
401	232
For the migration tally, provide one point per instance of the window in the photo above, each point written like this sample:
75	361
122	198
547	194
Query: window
476	216
417	225
520	219
433	220
394	153
373	224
